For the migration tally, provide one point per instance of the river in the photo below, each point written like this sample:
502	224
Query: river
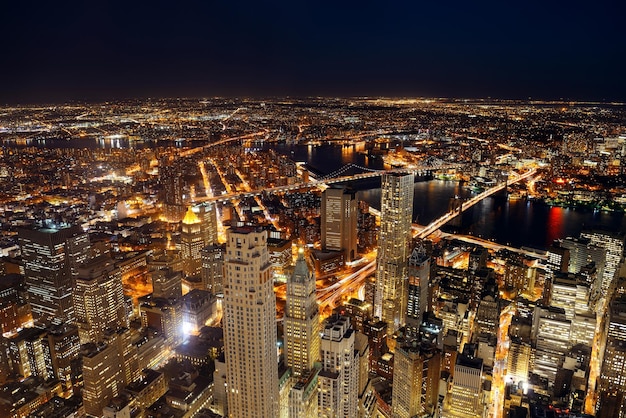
512	222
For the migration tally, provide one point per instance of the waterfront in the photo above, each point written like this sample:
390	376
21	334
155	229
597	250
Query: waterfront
513	222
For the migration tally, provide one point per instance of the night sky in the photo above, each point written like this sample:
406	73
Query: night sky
56	51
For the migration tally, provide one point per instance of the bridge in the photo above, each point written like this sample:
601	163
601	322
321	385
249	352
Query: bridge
336	176
439	222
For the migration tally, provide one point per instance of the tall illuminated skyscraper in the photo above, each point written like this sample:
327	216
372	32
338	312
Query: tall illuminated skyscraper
207	213
302	339
191	243
250	326
339	221
338	379
395	232
51	256
302	327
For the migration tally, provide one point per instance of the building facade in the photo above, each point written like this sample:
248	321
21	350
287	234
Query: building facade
390	298
250	326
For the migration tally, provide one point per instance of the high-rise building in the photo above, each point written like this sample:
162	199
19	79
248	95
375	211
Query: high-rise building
613	375
103	377
396	210
302	339
467	386
416	370
64	345
582	252
98	299
552	330
213	268
171	179
166	273
51	256
191	243
303	396
338	379
417	301
570	292
302	326
207	213
30	355
519	359
613	244
250	325
339	221
558	258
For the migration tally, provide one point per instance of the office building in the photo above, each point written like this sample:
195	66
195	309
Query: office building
30	355
64	344
416	370
51	256
338	379
582	252
613	244
339	221
213	268
390	298
518	360
166	273
302	326
467	386
250	325
102	376
551	330
191	243
98	299
613	376
207	213
417	291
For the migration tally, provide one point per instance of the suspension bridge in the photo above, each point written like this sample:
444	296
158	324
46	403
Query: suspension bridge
338	176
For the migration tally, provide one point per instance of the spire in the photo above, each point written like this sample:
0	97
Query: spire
191	217
301	271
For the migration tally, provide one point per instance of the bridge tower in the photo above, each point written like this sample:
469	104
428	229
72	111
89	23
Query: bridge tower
456	205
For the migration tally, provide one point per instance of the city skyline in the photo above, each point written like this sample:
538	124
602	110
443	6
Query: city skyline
370	258
110	50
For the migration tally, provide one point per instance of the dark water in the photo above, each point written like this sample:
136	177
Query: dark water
515	222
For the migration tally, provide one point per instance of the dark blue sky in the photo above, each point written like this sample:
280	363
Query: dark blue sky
98	50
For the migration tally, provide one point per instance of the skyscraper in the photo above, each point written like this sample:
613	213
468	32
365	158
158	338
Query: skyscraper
98	299
302	336
467	385
338	379
395	233
613	375
250	325
613	244
416	370
51	256
302	339
213	268
170	177
191	243
417	300
339	221
207	213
